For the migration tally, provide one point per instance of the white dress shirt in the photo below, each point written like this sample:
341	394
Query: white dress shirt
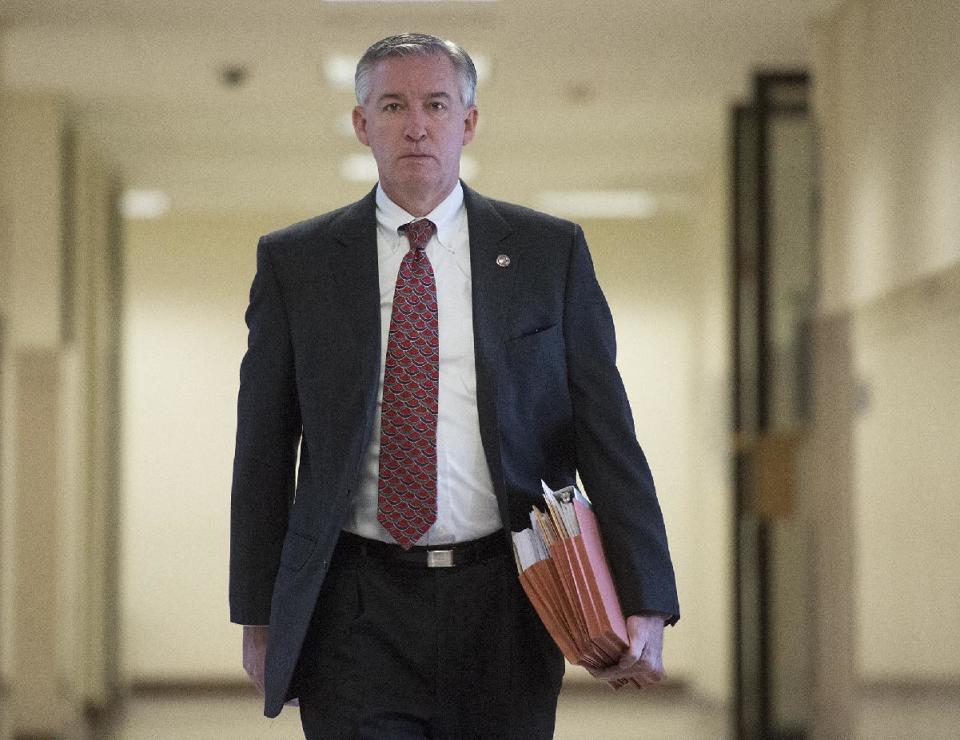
466	504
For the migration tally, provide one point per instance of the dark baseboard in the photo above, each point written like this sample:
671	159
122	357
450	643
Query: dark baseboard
671	689
221	688
184	688
912	689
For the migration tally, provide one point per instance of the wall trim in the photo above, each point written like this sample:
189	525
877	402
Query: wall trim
947	687
943	280
187	687
219	687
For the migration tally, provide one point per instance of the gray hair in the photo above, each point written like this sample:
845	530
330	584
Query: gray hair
421	45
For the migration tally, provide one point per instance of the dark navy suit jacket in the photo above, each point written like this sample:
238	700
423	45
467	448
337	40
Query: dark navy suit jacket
550	402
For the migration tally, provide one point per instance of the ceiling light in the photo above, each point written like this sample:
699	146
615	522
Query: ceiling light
144	204
359	168
363	168
345	124
468	167
339	70
482	63
598	203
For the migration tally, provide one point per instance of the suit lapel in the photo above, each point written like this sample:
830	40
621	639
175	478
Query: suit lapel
354	266
493	281
353	263
493	286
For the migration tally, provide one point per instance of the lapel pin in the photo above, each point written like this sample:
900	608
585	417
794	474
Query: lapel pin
503	260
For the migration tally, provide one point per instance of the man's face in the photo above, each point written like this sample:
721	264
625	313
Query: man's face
416	126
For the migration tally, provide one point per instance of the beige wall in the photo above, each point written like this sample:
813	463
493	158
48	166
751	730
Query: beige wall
711	604
55	420
186	292
888	88
29	202
31	193
888	102
908	482
188	279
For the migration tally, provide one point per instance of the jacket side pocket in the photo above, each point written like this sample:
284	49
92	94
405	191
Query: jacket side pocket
297	549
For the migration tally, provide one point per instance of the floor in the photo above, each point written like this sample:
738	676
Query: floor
583	715
595	715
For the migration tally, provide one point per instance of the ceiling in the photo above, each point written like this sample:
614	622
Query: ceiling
597	96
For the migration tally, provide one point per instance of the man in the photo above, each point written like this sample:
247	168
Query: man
433	354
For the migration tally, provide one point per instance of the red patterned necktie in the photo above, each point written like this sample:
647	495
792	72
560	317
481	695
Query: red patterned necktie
407	501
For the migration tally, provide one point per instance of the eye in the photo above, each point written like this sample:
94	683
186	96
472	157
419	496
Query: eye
438	105
391	107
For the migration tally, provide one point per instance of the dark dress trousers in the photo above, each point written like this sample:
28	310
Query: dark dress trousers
550	401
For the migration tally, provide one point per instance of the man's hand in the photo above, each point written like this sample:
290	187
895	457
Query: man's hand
255	652
643	659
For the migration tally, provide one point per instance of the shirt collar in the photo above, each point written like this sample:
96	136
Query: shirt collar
447	216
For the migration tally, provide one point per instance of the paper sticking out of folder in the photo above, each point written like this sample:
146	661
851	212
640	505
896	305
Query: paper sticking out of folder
566	577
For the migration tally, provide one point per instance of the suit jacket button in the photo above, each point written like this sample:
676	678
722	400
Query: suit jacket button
503	260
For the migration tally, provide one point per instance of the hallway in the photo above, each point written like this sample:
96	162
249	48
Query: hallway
144	148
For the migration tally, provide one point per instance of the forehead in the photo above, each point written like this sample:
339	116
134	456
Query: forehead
413	75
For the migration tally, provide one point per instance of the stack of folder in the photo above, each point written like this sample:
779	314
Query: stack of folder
566	577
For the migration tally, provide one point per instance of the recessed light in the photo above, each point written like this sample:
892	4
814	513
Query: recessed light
345	124
635	204
359	168
144	204
339	70
483	65
468	167
234	75
363	168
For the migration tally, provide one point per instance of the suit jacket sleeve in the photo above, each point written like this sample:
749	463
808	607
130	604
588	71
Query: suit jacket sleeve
610	461
268	434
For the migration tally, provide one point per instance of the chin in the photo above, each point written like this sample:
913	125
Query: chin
422	181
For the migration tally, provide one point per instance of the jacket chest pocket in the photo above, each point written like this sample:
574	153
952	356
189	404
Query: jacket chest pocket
534	367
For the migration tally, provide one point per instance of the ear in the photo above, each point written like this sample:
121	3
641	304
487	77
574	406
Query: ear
470	124
360	125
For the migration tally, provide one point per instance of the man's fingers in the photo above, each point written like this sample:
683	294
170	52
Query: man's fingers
633	654
642	660
638	662
641	669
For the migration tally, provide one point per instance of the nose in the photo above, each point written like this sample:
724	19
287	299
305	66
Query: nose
415	128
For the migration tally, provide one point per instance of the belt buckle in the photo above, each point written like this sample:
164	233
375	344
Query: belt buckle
440	558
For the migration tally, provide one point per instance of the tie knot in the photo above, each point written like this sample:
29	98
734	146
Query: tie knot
418	232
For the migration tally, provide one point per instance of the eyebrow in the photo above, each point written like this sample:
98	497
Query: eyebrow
398	96
389	96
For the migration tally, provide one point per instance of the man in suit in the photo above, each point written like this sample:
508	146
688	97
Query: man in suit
432	354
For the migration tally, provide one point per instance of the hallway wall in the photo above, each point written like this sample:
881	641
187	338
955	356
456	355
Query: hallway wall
891	146
187	284
907	352
57	413
889	257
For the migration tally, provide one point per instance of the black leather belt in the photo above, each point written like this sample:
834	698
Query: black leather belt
438	556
